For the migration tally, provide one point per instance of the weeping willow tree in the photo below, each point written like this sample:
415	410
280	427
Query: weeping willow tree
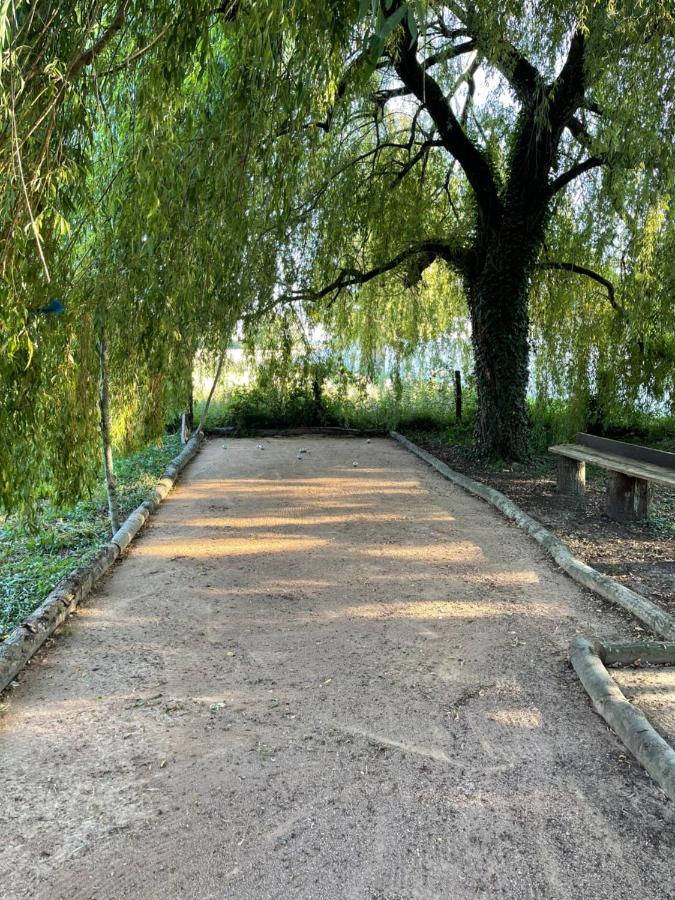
525	147
387	168
132	208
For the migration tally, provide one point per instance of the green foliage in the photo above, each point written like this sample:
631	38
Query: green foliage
168	172
348	400
35	556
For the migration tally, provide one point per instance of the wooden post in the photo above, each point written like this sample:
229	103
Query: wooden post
627	497
104	407
458	395
188	417
571	475
643	498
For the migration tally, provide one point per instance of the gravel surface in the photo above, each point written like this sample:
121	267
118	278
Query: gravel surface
311	679
640	555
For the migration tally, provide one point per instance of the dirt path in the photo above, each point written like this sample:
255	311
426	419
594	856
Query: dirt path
311	680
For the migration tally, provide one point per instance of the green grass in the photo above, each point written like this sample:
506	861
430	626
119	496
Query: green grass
33	560
424	406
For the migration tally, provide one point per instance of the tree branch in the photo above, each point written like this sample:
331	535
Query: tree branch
412	162
579	132
524	78
584	166
588	273
567	92
455	140
88	56
137	54
352	277
383	96
438	249
448	53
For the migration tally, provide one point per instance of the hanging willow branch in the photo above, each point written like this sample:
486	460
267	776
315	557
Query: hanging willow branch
587	273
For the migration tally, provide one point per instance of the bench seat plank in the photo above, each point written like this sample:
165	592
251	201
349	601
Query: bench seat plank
614	463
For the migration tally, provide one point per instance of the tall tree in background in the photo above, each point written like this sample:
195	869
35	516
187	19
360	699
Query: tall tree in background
567	90
386	168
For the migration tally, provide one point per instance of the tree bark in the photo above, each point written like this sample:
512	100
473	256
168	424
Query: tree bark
188	417
499	333
458	395
498	285
104	407
211	392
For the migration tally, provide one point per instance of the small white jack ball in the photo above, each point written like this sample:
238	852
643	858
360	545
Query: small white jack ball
259	447
367	440
355	464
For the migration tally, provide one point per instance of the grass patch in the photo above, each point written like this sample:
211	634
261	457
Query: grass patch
427	406
33	560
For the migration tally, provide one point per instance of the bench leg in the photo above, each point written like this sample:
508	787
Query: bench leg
571	475
627	498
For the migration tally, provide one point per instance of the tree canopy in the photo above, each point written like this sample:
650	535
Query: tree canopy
388	172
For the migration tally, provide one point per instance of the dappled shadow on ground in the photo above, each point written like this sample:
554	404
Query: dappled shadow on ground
640	555
310	679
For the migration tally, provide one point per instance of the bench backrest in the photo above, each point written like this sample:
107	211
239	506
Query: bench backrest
628	451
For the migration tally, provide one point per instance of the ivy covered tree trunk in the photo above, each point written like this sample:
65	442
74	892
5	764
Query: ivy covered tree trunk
500	343
498	304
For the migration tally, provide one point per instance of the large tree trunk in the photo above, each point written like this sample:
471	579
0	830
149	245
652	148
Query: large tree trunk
498	302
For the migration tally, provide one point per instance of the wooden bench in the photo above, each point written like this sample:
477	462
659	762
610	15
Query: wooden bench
632	470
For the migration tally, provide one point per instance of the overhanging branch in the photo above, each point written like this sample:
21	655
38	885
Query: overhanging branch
587	273
584	166
353	277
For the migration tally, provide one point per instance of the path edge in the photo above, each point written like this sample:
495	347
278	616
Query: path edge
651	750
657	619
26	638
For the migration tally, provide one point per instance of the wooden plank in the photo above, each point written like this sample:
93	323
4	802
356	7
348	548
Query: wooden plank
630	451
616	463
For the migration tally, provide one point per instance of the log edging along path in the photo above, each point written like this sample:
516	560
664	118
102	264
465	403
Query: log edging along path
634	729
26	639
589	660
653	616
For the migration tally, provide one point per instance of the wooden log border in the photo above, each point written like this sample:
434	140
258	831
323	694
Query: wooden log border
634	729
647	612
589	660
26	639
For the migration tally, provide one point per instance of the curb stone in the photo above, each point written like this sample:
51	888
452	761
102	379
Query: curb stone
632	727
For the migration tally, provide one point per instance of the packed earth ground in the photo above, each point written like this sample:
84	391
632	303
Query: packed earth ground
324	680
